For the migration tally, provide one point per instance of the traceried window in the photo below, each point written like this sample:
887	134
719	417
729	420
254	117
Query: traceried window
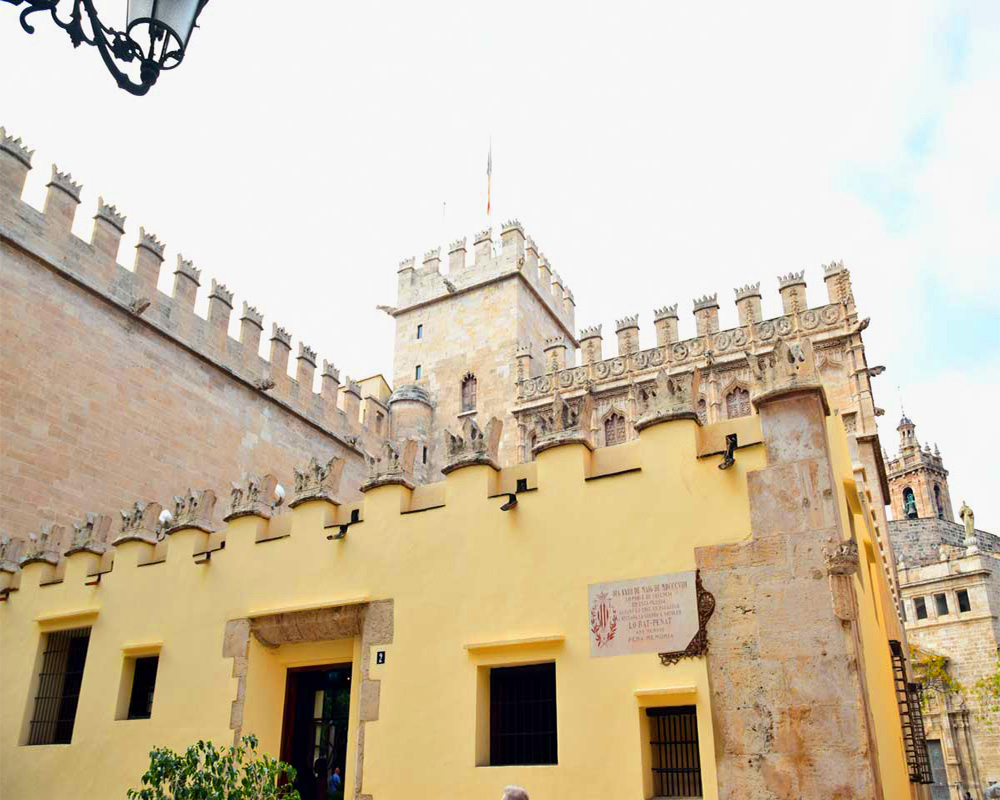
703	411
59	686
469	392
614	430
909	503
738	403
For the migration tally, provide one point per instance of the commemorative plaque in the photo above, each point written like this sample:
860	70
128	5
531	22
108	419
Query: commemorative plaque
663	614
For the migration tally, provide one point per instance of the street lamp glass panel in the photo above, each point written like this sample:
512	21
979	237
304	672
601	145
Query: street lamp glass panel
177	16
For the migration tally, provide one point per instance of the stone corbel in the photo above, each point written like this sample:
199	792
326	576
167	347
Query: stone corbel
842	564
46	547
194	509
318	481
139	523
473	445
787	369
92	534
254	496
671	397
563	423
394	467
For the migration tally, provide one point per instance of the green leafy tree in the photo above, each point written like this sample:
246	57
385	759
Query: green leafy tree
987	693
205	772
932	672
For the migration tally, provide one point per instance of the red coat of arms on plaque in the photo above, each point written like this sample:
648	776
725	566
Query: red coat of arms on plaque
603	619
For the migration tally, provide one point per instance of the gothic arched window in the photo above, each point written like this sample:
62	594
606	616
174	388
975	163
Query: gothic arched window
614	430
738	403
702	411
469	392
937	501
909	503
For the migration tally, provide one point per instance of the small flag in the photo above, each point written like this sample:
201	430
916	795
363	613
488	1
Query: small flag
489	177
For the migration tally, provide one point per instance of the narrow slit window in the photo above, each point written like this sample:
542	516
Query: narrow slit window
140	704
673	739
417	373
59	687
420	331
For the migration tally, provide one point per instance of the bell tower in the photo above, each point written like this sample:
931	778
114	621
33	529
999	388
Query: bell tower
918	481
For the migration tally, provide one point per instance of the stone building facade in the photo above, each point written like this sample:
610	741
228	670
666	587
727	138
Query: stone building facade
949	576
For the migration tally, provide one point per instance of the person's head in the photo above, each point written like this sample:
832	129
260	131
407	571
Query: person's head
336	770
514	793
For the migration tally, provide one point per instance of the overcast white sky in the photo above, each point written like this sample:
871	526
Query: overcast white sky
655	152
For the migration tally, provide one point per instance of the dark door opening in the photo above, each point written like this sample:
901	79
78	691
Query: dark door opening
314	732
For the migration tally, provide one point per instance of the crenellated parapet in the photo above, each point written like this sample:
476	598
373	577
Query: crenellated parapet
318	481
47	235
517	255
473	445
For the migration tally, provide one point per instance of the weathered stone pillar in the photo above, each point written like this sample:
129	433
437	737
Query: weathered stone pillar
788	704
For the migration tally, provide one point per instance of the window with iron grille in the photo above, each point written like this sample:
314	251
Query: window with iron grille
140	704
469	392
737	403
673	739
614	430
911	718
523	715
59	686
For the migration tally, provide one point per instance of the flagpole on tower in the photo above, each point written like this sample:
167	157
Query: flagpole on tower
489	178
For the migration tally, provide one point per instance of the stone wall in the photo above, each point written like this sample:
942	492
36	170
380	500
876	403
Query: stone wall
111	389
918	541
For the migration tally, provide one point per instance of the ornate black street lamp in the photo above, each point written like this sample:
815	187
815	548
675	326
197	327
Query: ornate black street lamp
156	34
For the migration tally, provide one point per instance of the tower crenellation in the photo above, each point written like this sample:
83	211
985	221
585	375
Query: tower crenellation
792	288
187	279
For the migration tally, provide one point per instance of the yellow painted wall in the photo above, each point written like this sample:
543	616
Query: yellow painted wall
459	574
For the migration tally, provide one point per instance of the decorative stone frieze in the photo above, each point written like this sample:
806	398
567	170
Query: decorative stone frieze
140	523
393	466
789	368
92	534
193	509
564	423
318	481
670	397
46	547
254	496
473	445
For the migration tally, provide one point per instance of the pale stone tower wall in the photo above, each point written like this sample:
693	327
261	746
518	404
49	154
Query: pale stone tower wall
472	321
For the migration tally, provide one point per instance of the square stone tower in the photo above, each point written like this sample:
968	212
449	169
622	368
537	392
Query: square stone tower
462	335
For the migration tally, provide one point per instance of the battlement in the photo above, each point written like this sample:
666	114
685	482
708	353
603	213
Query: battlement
709	347
517	255
47	237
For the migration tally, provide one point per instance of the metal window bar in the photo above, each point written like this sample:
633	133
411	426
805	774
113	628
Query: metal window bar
674	744
911	719
59	687
523	715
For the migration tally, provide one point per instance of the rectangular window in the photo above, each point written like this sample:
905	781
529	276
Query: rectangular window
920	607
59	686
673	738
523	715
420	331
140	705
416	373
963	601
379	419
941	604
425	455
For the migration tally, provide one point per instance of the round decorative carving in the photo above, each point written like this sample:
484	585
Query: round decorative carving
765	330
723	342
783	325
618	366
565	379
680	352
739	337
656	357
830	314
528	388
602	369
641	360
580	375
810	319
697	347
544	385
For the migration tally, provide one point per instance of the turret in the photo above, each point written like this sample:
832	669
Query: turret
62	199
627	329
590	344
665	322
706	314
793	292
748	303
